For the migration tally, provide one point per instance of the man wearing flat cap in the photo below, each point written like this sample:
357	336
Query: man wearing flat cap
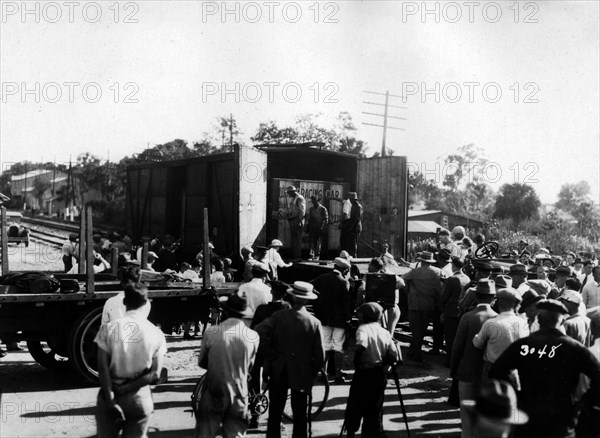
498	333
549	364
296	215
576	324
351	227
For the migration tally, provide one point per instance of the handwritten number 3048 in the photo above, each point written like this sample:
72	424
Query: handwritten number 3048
526	351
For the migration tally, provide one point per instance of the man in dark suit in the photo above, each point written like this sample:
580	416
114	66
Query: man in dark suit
351	226
333	309
466	361
450	311
549	364
294	338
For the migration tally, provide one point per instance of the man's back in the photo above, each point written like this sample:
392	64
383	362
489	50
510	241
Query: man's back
499	332
131	341
332	307
228	351
296	346
257	293
467	360
549	364
425	288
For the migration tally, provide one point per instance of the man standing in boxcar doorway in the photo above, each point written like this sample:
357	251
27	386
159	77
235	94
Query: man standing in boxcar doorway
318	218
296	220
351	226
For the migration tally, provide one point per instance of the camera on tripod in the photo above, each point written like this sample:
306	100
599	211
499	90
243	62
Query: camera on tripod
381	288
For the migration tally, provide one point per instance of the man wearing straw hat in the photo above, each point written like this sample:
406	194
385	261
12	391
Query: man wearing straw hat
294	338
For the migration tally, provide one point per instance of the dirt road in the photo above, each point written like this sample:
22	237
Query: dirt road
36	402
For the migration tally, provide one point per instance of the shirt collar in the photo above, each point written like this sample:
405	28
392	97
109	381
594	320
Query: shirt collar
136	313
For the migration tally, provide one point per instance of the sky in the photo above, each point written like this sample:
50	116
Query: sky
520	80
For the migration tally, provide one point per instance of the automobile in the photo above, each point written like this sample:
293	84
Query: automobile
16	232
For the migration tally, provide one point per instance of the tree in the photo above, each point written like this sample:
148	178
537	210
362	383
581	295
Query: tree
307	128
572	195
518	202
89	174
588	219
464	165
40	185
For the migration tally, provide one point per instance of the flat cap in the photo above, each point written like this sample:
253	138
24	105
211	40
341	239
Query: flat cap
552	306
509	294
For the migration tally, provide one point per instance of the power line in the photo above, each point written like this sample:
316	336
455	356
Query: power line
385	115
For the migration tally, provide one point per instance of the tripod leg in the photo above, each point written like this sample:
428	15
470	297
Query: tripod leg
397	381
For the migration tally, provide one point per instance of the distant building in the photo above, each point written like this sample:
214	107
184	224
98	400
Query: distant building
52	201
423	224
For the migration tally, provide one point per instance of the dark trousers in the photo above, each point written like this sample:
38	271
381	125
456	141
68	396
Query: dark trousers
68	262
277	398
438	331
349	242
296	227
450	327
418	320
365	401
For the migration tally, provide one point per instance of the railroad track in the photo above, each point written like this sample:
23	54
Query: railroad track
47	238
55	232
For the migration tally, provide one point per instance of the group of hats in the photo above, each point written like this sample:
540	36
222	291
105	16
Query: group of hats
237	304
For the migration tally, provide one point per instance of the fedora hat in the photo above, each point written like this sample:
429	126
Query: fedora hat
541	287
571	296
497	401
290	189
485	286
530	297
563	271
426	257
236	305
352	196
304	290
503	281
518	269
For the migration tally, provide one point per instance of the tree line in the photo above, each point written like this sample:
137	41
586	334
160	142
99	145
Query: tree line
459	190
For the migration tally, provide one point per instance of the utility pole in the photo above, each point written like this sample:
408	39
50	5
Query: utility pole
385	116
230	132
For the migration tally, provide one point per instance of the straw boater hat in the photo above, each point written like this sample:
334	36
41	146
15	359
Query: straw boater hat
497	401
341	263
290	189
304	290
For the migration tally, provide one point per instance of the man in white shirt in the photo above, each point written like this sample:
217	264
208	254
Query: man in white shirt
256	292
227	353
449	244
114	307
130	356
586	273
499	332
590	293
273	258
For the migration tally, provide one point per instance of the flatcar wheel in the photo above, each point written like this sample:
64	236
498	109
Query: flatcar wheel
48	355
83	351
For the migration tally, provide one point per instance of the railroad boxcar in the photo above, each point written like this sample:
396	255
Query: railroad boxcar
244	193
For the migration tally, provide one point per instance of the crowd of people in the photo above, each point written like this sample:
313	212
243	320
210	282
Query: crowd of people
530	335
